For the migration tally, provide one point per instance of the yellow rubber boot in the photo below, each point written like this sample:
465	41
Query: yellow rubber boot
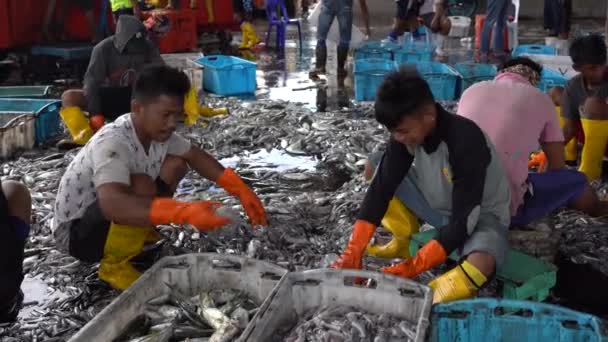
250	38
122	244
210	15
402	223
596	137
570	150
77	123
461	282
191	107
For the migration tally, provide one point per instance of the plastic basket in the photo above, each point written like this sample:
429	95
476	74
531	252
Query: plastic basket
24	91
369	74
550	78
443	80
227	75
189	274
509	320
460	26
534	49
65	51
301	292
46	112
473	72
376	50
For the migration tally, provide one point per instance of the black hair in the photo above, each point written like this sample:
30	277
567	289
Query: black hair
156	80
522	61
589	49
402	93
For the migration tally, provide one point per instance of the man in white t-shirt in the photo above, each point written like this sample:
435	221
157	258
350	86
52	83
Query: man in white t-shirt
121	183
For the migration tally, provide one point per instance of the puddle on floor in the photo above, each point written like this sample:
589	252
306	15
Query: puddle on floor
275	160
36	295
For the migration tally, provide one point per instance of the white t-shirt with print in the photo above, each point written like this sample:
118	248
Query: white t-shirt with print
112	155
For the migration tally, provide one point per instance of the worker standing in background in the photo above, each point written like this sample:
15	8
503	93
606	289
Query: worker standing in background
496	20
121	184
128	7
15	214
441	168
342	10
515	100
52	28
108	80
244	10
584	107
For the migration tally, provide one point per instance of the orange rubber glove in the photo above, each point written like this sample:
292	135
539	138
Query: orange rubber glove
234	185
96	122
352	255
538	161
200	214
430	255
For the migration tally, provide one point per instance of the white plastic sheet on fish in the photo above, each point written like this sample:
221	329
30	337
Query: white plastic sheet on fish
357	37
299	293
189	274
17	132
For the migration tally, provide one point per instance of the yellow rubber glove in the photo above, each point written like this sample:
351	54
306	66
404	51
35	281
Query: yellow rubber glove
570	150
77	123
596	137
191	107
461	282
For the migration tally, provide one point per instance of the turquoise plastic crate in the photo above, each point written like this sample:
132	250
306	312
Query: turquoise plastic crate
65	51
413	52
48	122
510	320
535	49
550	78
228	75
369	74
475	72
445	82
24	91
376	50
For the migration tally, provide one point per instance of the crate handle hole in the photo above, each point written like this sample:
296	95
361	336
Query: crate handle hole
570	324
226	265
307	282
360	282
407	292
271	276
456	314
506	311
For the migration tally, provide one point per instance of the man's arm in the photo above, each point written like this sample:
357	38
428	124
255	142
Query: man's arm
365	13
554	151
119	204
93	78
393	167
204	164
570	114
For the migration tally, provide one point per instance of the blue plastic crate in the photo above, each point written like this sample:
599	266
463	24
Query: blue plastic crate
550	78
376	50
445	82
413	52
227	75
534	49
369	74
48	122
65	51
474	72
511	320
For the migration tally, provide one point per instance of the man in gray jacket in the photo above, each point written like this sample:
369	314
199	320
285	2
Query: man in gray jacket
107	82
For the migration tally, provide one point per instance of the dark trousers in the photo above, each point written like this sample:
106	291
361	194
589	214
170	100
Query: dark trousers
557	15
14	233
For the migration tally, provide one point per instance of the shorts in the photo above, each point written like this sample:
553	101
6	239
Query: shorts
488	236
549	191
85	238
14	234
115	101
85	5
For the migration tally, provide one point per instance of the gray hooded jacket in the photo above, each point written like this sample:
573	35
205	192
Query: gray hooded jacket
113	65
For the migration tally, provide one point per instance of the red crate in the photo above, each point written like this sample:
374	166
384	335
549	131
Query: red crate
6	40
76	26
182	35
222	10
26	18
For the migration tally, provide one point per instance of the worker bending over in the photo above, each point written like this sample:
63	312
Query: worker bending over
15	213
438	167
584	107
120	185
515	99
108	79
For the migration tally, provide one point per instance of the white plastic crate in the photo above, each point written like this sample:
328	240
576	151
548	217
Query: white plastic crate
17	132
189	274
302	292
460	26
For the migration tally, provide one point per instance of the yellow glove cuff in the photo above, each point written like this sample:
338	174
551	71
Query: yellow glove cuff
474	273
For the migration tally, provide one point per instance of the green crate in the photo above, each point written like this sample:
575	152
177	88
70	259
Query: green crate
24	91
524	277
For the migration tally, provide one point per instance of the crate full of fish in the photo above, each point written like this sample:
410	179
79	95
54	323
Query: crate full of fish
193	296
369	74
445	81
475	72
228	75
511	320
26	122
331	305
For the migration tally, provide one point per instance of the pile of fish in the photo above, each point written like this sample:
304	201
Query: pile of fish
345	323
219	315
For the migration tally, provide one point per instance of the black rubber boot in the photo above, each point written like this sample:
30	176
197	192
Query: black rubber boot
342	55
321	56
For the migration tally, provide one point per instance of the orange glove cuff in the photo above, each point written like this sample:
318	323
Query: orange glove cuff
231	182
164	210
432	254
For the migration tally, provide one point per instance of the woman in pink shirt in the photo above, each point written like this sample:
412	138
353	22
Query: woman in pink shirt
517	117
